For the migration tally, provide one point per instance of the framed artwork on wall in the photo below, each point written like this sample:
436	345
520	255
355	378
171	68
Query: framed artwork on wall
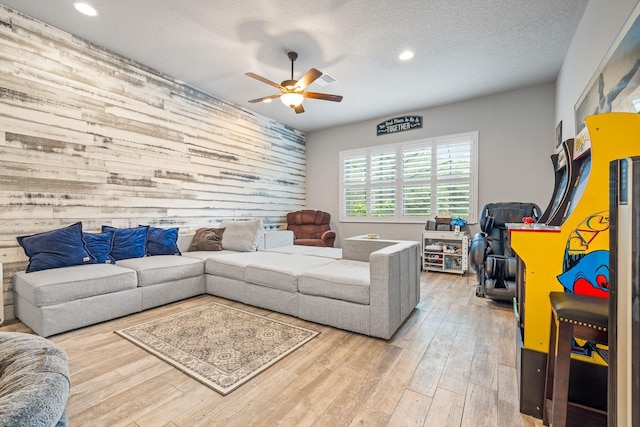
558	135
616	84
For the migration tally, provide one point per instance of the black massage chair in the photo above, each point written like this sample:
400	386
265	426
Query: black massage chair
490	254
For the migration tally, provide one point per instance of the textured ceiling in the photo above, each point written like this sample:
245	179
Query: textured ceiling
463	48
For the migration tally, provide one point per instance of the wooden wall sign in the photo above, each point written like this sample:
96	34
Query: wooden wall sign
399	124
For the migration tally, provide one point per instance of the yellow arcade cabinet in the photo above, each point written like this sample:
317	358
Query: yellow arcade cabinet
572	257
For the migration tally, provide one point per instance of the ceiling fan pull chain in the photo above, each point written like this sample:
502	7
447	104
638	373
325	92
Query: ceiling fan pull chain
292	57
292	68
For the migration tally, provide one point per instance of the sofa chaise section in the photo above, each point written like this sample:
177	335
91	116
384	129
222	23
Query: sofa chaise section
372	290
395	286
337	295
61	299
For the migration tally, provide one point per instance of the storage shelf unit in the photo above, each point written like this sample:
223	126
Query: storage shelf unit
445	251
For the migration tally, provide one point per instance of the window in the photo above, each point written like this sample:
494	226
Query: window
411	181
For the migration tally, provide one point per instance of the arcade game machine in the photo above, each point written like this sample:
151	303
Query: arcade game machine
572	257
624	314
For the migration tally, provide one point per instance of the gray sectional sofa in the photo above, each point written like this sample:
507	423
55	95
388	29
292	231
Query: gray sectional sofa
369	287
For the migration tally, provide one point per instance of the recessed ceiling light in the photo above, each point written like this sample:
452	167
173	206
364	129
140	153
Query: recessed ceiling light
406	55
85	9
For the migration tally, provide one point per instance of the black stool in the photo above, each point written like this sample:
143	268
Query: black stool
580	316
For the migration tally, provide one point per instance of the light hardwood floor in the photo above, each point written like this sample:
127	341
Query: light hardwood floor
453	363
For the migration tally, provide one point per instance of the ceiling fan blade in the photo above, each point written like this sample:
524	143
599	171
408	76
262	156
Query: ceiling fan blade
264	80
299	109
308	78
264	98
323	96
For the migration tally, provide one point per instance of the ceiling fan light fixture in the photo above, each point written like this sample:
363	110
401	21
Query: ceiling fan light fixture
85	9
405	55
292	92
292	99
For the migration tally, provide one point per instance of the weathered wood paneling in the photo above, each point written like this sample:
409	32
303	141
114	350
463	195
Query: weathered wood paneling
87	135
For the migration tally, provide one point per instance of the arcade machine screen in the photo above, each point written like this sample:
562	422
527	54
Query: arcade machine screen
558	167
564	180
579	186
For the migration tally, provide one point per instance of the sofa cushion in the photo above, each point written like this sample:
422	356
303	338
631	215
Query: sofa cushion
59	285
241	236
128	242
56	248
295	249
282	272
162	241
99	245
335	253
163	268
207	239
232	265
344	280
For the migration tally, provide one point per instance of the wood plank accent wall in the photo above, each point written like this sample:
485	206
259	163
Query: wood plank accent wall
87	135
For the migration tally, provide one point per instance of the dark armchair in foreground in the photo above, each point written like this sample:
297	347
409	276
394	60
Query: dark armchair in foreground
311	228
490	254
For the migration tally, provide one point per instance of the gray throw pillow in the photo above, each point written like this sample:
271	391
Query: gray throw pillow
207	239
241	236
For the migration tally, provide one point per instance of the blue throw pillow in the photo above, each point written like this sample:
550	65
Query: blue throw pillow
56	248
128	242
161	241
99	245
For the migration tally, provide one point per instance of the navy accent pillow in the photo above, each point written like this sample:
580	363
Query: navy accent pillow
128	242
161	241
57	248
99	245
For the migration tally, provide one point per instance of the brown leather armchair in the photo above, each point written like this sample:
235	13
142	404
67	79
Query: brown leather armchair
311	228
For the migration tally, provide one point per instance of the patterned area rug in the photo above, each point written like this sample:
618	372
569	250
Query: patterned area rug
220	346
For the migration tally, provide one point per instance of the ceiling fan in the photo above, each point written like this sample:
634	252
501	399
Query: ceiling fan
293	90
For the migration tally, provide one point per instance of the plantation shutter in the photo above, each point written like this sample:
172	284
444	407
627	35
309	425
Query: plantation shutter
453	176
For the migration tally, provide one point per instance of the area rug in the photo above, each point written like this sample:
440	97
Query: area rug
220	346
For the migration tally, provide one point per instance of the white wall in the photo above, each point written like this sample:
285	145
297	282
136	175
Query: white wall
599	26
516	138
